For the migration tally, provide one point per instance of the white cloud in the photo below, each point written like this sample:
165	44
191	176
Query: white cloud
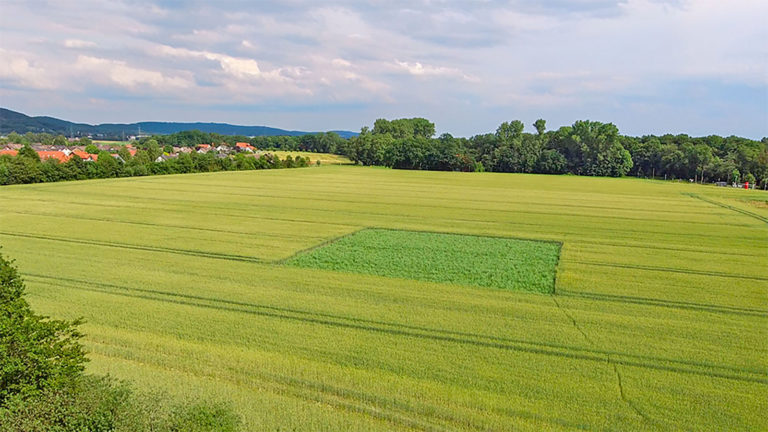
339	62
118	72
77	43
15	68
393	58
419	69
236	66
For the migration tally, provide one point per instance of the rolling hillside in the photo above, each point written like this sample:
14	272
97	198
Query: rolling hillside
12	121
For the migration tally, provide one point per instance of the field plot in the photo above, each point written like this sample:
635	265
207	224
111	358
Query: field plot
324	158
491	262
659	320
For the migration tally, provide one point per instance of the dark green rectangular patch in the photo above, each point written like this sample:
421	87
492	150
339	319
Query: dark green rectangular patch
493	262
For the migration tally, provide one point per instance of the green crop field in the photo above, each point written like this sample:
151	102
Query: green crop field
473	260
191	284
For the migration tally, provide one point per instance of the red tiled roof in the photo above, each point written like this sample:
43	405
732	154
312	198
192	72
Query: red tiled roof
243	145
9	152
60	156
84	156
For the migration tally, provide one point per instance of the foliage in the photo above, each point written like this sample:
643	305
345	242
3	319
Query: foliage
585	148
593	148
405	128
37	353
102	404
43	388
710	158
27	167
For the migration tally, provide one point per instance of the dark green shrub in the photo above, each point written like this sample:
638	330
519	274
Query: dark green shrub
43	388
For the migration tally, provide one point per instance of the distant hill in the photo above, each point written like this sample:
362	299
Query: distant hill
12	121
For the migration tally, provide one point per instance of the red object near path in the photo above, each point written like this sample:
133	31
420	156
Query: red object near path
746	185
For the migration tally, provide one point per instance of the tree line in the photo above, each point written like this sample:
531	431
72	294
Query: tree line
585	148
27	167
324	142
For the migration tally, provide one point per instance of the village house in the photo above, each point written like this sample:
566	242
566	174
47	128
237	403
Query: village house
244	147
204	148
60	156
87	157
163	158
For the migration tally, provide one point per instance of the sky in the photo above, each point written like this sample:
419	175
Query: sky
649	66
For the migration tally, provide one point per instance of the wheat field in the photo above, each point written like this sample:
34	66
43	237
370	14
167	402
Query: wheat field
658	320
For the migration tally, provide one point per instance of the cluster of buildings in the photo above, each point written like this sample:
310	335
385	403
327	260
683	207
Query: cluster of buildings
222	151
65	153
60	153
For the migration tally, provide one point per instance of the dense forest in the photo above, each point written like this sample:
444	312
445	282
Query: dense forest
584	148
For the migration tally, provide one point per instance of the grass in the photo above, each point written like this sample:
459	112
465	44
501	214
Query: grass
324	158
659	321
491	262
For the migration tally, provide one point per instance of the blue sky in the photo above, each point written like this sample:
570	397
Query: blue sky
649	66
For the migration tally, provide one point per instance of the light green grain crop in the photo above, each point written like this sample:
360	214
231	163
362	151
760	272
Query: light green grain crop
659	320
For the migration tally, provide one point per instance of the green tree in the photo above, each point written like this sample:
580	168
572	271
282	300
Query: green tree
124	153
35	353
92	149
107	165
551	162
593	148
516	151
60	140
288	162
750	178
43	388
153	149
29	153
24	170
15	138
404	128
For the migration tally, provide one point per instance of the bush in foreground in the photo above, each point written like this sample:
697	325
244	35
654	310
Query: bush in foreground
43	387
